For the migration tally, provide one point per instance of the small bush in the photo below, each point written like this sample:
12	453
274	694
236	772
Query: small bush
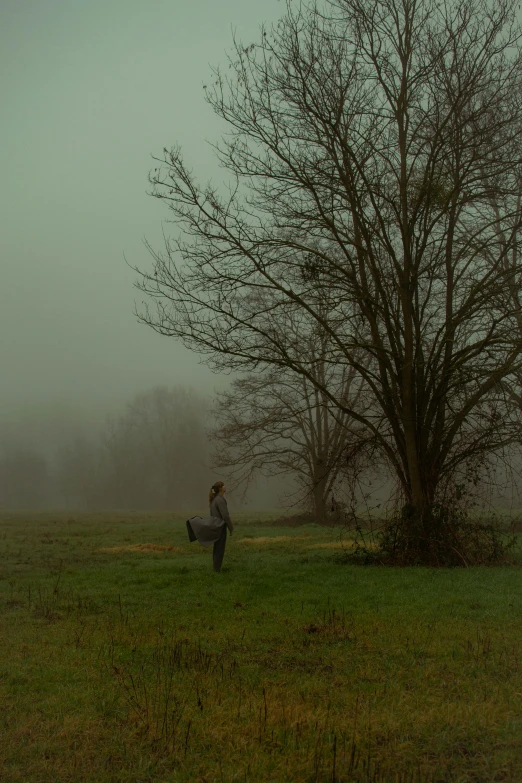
440	536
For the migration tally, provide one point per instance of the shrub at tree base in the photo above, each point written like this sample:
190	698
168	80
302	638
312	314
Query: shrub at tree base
441	536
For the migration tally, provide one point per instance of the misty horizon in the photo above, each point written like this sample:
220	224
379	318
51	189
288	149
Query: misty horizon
87	103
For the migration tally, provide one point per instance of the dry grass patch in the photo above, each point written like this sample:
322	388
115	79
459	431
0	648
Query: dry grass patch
348	543
272	539
116	550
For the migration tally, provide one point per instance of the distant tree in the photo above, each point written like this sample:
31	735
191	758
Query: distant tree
25	481
79	469
367	139
152	456
280	423
156	452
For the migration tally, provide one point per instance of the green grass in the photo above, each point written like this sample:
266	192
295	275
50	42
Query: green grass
120	663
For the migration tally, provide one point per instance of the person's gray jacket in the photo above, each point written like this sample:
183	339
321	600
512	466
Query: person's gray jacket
207	530
219	508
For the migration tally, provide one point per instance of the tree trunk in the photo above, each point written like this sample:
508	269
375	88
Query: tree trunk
320	498
423	535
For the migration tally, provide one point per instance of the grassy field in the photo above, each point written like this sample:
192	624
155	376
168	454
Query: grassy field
123	657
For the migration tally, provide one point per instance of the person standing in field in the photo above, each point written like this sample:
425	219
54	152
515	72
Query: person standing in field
213	529
219	508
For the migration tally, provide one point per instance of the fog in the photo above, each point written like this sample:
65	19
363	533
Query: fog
89	92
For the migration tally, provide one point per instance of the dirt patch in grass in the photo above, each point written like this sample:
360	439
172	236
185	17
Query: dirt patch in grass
272	539
295	520
348	544
331	545
115	550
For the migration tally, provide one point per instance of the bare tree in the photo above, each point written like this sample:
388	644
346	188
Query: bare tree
367	140
277	422
152	456
24	479
80	473
156	452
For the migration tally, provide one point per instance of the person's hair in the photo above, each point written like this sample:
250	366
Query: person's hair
215	490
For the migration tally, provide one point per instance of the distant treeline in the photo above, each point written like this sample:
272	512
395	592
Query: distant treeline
154	455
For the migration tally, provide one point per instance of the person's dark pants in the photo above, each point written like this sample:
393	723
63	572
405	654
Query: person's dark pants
218	552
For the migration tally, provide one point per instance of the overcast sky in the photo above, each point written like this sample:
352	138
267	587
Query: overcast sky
89	90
